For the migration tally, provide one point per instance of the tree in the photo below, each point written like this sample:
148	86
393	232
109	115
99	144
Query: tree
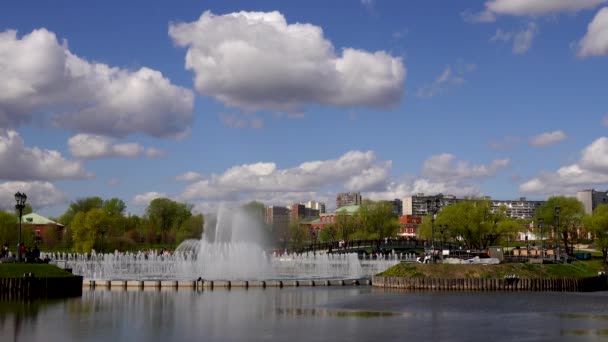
570	219
470	221
299	234
345	225
114	206
598	225
9	229
166	215
87	228
327	233
80	205
376	220
192	228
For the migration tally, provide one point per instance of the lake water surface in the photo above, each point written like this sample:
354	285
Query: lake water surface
308	314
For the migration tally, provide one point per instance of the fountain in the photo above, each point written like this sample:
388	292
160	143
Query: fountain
230	249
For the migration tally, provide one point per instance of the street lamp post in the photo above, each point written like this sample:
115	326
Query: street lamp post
20	198
556	214
542	243
433	211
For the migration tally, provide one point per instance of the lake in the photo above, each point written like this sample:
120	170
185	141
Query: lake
307	314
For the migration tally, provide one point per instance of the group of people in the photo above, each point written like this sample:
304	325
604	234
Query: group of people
27	253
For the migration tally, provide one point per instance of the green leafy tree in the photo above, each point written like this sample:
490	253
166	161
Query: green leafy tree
166	215
570	219
598	226
8	229
80	205
375	220
87	228
345	225
192	228
299	235
470	221
114	206
327	233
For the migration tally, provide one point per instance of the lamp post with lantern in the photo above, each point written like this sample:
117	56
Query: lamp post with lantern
20	198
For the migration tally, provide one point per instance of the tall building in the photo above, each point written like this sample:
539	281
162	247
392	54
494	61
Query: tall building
417	205
278	218
517	209
344	199
397	205
320	206
300	211
591	199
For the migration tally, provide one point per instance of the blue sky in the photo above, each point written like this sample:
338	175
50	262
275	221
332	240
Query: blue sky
294	101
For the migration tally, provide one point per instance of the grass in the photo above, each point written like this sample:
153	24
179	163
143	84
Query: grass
39	270
525	270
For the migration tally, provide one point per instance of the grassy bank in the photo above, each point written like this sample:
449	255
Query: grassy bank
531	271
39	270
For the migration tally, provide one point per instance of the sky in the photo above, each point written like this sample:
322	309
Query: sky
210	102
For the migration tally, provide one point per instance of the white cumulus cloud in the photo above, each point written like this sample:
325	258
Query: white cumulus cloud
39	194
93	146
446	168
39	74
320	180
19	162
145	198
595	41
494	8
548	138
590	170
256	60
356	170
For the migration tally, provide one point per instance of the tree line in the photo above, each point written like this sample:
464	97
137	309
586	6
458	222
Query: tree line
96	223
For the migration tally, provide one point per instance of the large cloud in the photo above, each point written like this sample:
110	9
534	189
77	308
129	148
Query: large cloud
256	60
357	170
446	168
353	171
529	8
595	41
591	169
96	146
18	162
40	75
39	194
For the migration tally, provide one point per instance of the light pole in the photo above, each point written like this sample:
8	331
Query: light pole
542	243
432	211
20	198
556	215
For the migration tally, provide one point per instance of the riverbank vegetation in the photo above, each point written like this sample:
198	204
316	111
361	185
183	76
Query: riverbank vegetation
522	270
15	270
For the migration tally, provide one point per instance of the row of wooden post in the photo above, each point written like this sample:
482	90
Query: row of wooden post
30	288
599	283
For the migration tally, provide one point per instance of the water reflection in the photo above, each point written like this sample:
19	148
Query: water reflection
305	314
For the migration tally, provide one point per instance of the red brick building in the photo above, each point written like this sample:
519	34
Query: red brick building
409	225
40	224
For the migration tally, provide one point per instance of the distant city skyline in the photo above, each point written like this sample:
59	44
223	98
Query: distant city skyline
289	102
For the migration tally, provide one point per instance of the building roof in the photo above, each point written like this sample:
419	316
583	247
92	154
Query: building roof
33	218
349	209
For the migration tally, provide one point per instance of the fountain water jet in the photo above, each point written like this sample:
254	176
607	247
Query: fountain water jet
230	249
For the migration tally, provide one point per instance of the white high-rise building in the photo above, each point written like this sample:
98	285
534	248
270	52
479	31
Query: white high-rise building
320	206
591	199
